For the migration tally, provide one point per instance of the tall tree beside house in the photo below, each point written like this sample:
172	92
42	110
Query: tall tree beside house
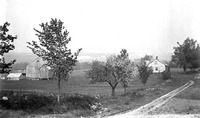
117	69
52	47
187	55
6	44
144	72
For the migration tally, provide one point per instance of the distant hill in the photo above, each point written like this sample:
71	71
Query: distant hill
20	57
83	57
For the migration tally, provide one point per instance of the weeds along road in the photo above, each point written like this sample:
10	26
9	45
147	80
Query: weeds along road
144	110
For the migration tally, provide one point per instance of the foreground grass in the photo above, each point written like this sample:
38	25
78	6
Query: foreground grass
135	97
46	103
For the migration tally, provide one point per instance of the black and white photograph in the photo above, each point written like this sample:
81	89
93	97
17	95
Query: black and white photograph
99	58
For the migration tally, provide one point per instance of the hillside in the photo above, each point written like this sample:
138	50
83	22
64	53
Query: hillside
20	57
83	57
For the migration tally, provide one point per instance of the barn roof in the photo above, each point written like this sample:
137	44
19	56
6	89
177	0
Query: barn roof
39	63
14	75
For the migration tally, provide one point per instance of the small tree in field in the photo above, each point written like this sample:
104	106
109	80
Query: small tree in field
117	69
144	72
6	44
53	48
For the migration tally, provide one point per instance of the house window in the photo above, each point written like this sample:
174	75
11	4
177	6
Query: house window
156	68
155	62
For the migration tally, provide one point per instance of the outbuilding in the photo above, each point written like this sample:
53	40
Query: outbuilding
15	76
37	70
158	66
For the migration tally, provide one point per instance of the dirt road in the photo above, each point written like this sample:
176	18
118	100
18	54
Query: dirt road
144	110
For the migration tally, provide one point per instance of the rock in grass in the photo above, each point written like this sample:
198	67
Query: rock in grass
4	98
169	81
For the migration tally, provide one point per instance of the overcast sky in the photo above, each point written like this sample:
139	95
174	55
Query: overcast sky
107	26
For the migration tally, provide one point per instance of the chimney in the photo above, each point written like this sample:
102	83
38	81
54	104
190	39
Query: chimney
156	57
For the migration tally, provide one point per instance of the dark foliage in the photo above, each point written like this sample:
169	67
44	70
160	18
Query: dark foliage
46	103
26	102
6	44
144	72
166	75
80	101
187	55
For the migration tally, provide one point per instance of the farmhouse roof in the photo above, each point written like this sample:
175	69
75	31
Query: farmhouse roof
157	60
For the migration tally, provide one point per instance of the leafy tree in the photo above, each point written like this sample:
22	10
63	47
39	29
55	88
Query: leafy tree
6	44
123	68
53	48
117	69
144	72
172	64
187	54
147	58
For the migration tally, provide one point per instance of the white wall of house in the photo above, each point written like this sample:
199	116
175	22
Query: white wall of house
157	66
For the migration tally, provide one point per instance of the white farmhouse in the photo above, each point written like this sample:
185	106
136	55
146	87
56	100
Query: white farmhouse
158	66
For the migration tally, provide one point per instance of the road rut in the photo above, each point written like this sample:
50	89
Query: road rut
144	110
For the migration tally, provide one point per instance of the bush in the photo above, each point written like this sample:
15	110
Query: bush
80	101
166	75
26	102
47	103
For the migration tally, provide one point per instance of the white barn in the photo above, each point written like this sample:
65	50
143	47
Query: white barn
38	70
158	66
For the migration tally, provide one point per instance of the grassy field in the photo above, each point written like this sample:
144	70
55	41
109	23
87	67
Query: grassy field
76	83
134	98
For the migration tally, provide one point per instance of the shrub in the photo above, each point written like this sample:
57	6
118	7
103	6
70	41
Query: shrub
26	102
83	113
74	102
166	75
80	101
46	103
